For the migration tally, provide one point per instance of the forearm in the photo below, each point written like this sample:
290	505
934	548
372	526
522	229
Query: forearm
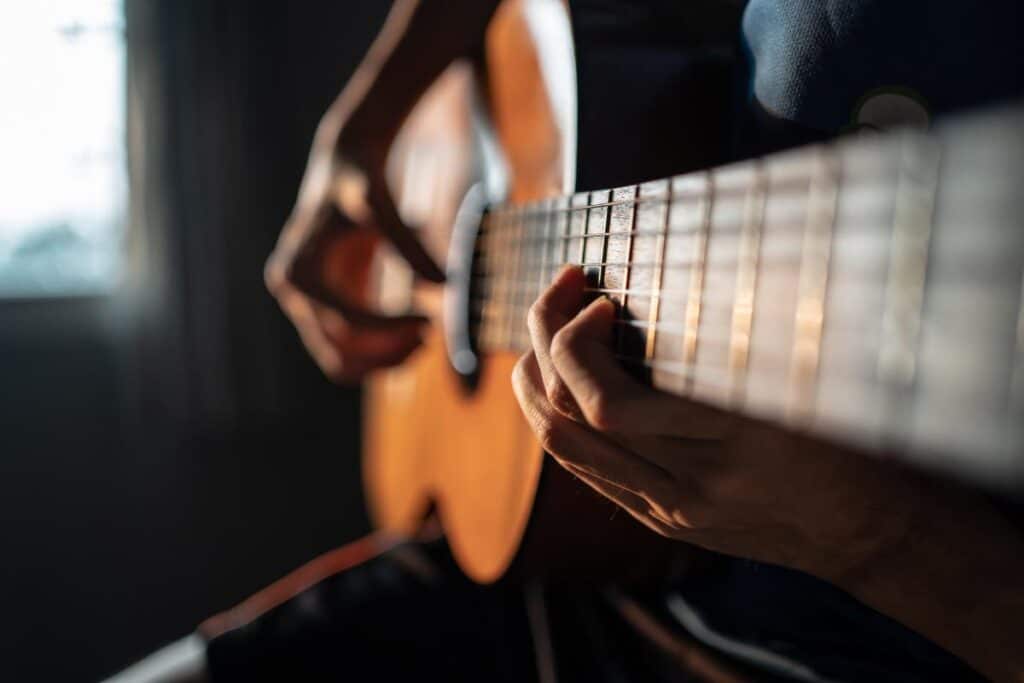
418	41
959	581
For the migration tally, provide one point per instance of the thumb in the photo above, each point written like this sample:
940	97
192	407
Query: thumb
401	235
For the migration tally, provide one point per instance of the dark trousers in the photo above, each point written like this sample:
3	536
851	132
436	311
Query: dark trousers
387	611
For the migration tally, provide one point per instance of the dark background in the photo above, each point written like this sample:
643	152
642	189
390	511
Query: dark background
169	449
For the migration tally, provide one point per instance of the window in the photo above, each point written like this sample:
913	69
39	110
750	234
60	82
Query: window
62	159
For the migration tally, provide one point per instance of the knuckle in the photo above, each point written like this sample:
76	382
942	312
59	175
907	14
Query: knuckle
564	344
561	399
602	412
337	373
291	275
536	316
274	276
519	374
548	434
693	515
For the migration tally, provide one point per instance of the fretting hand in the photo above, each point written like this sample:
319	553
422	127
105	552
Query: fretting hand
688	471
932	555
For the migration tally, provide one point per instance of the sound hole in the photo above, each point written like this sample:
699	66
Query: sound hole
463	303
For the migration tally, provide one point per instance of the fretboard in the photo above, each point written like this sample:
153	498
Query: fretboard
869	290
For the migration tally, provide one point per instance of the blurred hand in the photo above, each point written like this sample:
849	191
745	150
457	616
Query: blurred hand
319	270
693	473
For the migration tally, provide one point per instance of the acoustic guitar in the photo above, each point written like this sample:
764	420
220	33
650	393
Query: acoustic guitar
866	292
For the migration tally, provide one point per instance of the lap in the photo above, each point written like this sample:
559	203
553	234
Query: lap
374	609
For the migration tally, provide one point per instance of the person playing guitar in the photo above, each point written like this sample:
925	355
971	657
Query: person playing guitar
827	565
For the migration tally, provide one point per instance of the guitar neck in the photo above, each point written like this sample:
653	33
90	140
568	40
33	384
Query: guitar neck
868	291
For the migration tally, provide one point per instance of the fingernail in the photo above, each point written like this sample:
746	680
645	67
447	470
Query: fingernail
565	270
603	301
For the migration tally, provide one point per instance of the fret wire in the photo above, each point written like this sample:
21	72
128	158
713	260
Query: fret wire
763	266
508	279
515	290
678	368
652	292
697	277
675	330
719	344
482	292
550	247
717	304
672	367
725	227
565	237
812	288
709	297
746	283
664	366
604	236
501	277
788	230
777	185
787	183
528	294
583	242
687	372
510	236
792	260
509	271
497	237
530	284
654	310
629	257
845	373
607	227
903	307
720	306
544	253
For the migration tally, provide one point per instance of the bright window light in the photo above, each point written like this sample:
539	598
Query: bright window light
62	157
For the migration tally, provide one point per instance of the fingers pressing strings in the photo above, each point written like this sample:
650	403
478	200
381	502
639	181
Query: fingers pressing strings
585	381
552	311
576	444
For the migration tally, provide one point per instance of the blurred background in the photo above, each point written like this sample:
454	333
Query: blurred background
166	447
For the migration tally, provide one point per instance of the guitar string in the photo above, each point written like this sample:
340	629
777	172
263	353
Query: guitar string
721	228
516	222
775	185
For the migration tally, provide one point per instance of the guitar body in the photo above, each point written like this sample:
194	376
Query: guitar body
433	445
856	254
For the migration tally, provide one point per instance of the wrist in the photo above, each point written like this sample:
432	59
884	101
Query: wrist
876	532
365	138
345	134
955	578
